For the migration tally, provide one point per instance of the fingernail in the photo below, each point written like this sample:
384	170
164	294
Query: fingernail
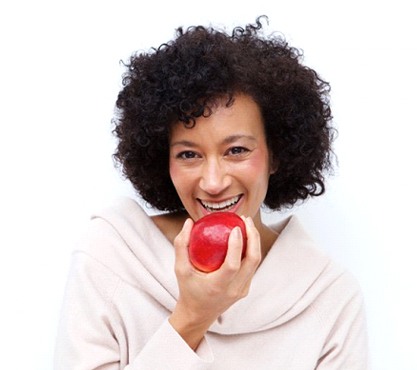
236	232
187	223
250	221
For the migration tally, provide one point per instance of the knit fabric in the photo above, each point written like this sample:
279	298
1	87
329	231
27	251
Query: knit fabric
303	311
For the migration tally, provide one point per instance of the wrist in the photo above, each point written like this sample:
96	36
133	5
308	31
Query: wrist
189	326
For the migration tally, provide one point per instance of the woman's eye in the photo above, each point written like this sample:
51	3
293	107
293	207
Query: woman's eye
237	150
187	155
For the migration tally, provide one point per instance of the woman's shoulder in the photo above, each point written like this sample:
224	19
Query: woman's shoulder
297	245
116	220
123	237
127	212
121	208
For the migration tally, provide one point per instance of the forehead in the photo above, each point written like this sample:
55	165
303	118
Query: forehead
242	117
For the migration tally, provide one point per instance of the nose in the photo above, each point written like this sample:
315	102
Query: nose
214	177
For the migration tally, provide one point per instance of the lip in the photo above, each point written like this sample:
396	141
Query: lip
234	209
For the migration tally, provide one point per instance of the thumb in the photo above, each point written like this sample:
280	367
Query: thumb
182	240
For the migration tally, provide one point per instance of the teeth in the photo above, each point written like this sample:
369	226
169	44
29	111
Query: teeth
222	205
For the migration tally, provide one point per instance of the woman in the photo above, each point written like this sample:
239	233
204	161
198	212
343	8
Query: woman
209	122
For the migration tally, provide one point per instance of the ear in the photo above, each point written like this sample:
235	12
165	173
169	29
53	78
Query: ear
273	170
273	163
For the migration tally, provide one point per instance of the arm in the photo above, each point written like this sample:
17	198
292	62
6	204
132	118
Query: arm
204	297
90	336
92	333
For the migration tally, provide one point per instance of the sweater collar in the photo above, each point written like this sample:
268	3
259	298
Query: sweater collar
282	287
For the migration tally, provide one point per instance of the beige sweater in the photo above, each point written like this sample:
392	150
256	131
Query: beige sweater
303	311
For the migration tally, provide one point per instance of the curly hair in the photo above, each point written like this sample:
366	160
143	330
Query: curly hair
180	79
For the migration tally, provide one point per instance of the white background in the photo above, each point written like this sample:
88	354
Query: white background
59	77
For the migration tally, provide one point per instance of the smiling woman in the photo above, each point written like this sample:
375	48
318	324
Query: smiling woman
211	122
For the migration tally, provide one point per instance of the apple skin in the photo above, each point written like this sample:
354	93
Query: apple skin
209	238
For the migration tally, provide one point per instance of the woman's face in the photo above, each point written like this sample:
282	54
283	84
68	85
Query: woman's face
222	163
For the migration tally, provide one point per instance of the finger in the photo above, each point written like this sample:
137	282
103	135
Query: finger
233	258
253	253
253	248
181	243
246	268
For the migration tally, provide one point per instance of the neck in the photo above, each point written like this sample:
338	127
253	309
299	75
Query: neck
268	236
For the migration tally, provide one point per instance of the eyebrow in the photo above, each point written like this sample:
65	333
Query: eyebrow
227	140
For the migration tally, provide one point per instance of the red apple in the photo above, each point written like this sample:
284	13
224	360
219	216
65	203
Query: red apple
209	238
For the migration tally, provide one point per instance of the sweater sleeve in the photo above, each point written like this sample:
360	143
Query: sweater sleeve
87	335
167	350
347	344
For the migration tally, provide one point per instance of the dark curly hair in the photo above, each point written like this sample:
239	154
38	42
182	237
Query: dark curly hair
180	80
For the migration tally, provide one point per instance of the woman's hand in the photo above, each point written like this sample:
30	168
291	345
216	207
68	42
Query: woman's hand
203	297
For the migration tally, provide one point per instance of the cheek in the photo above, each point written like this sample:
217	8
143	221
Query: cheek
256	175
258	164
181	177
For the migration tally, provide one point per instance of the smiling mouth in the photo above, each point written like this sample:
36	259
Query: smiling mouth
220	206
